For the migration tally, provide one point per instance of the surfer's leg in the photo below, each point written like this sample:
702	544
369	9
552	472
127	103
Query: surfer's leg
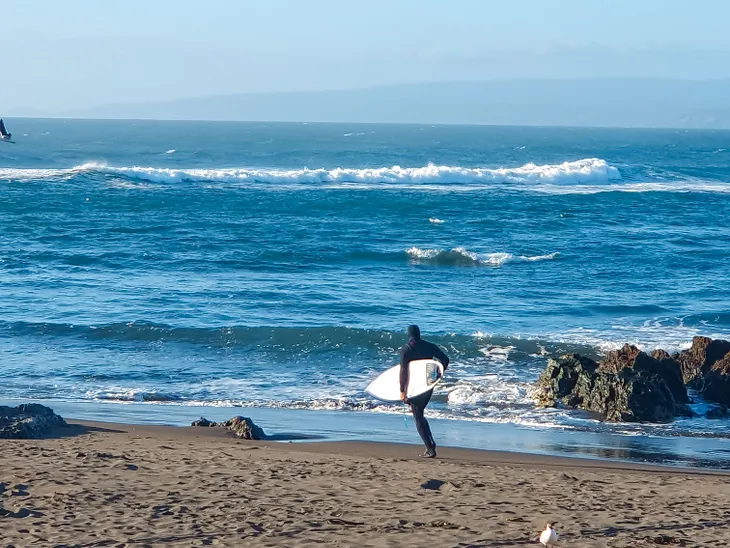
432	443
418	406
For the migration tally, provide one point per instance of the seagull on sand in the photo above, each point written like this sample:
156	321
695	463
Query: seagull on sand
549	537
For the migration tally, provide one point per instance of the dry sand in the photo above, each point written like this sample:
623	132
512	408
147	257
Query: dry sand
125	486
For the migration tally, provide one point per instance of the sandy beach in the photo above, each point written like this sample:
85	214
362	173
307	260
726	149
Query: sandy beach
120	485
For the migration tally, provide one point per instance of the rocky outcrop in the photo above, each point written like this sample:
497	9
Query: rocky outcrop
241	427
29	420
202	421
697	360
706	368
616	392
720	412
659	363
630	385
565	381
671	371
716	382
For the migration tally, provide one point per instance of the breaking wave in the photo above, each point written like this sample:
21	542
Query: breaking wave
460	256
585	176
585	171
272	258
590	170
671	334
286	340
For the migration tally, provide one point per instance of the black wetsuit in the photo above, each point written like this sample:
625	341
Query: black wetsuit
418	349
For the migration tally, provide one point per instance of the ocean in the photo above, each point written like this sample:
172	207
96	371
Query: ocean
277	266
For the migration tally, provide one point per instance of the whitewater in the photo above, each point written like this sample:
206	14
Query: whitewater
276	266
585	176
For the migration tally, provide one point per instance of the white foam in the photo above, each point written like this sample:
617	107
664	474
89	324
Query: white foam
590	170
490	389
419	253
136	185
171	151
500	353
684	186
435	221
121	394
547	257
33	174
496	259
463	255
586	176
647	337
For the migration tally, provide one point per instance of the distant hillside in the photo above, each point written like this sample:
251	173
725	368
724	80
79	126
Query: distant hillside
610	102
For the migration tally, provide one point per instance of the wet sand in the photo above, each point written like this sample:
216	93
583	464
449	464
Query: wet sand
129	486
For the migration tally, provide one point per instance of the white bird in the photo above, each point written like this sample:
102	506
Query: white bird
549	537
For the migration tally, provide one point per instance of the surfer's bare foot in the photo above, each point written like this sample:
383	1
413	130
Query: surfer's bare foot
430	454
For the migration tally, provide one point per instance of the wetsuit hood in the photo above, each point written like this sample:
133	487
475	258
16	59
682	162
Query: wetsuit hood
413	332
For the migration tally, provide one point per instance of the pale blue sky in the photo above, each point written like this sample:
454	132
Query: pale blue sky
69	54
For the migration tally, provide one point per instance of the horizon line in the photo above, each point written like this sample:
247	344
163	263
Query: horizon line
309	122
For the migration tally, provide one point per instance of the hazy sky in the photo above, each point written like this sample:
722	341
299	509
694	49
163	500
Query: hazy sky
70	54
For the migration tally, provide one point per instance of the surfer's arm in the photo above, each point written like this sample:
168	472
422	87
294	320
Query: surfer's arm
404	362
440	356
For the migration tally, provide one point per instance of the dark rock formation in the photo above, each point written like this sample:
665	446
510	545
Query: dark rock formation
634	394
565	381
671	371
29	420
630	385
242	427
659	363
717	413
716	382
697	360
706	368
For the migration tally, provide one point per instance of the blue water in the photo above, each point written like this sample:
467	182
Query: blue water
277	265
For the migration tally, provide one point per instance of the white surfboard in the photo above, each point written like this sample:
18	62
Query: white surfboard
423	375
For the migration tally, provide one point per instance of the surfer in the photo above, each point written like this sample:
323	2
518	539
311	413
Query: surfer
418	349
4	135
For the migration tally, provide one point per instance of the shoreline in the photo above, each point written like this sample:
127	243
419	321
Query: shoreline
106	484
318	427
380	450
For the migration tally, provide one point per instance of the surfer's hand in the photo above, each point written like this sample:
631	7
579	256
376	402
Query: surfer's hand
403	397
